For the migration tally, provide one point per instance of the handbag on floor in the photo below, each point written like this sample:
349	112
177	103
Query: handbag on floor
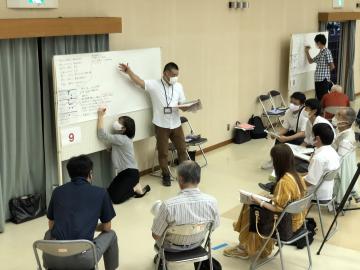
263	221
205	265
26	208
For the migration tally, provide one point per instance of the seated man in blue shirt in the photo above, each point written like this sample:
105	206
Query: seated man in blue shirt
73	214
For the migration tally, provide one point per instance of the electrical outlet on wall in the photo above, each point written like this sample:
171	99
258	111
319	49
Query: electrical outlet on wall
228	127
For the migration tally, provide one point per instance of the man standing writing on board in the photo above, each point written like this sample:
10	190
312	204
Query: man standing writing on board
324	64
166	94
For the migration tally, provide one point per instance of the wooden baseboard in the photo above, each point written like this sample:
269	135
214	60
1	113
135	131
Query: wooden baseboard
206	150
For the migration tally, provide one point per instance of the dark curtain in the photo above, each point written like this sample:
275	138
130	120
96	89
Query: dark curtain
21	136
51	46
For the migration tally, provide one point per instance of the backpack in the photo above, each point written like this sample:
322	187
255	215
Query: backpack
311	227
258	132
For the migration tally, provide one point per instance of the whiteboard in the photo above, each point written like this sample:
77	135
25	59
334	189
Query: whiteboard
85	82
301	73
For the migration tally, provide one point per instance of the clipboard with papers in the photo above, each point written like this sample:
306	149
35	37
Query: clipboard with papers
191	106
245	197
277	136
301	152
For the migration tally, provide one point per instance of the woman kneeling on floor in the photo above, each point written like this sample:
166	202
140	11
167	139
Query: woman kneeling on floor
290	187
126	184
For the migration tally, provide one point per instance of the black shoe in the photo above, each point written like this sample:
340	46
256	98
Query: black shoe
145	190
166	180
268	186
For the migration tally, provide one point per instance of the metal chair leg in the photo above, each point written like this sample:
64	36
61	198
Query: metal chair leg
308	251
203	154
280	250
321	221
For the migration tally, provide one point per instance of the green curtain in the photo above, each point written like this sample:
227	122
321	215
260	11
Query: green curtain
21	136
350	85
51	46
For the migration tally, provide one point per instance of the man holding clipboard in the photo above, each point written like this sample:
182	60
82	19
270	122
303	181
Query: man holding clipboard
166	94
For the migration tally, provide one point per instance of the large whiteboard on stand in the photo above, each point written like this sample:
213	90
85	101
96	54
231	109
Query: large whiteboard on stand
301	73
85	82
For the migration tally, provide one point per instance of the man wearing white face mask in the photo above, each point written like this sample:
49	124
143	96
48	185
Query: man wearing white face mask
166	94
313	111
293	129
345	145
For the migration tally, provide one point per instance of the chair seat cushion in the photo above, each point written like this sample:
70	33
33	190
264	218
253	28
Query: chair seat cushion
197	141
186	255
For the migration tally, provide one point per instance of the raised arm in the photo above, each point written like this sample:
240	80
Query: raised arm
310	60
135	78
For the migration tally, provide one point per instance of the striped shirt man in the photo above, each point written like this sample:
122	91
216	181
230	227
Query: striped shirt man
190	206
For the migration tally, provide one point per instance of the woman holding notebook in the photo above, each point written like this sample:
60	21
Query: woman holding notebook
290	187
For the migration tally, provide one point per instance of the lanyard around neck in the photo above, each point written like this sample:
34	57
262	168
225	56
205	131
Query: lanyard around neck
166	96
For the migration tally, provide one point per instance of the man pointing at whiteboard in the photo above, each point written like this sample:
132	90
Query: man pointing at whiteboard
166	94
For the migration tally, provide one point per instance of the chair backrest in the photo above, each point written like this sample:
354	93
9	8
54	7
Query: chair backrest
187	234
277	99
300	205
64	248
327	176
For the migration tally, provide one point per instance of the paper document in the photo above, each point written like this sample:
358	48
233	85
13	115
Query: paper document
191	106
245	197
272	133
301	151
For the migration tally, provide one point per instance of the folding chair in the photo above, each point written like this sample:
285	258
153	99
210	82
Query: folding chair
198	142
181	235
277	100
328	176
64	249
296	207
269	111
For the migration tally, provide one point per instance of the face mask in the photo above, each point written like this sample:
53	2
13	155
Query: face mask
306	114
173	80
337	123
293	107
117	126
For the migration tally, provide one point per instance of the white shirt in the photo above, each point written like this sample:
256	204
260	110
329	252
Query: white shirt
309	135
324	159
162	95
291	119
345	142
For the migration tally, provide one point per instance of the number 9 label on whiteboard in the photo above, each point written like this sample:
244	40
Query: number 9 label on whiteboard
70	136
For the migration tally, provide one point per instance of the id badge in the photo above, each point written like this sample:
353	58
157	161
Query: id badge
167	110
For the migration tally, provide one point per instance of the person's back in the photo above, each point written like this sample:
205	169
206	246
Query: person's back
189	207
74	211
336	98
76	208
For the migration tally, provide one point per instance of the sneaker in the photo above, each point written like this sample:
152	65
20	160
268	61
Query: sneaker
166	180
236	252
267	165
268	186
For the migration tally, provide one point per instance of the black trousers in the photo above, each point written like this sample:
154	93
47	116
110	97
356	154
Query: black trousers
322	88
296	141
122	187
